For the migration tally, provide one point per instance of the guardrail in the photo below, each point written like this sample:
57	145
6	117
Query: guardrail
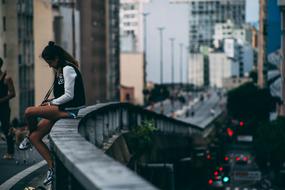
81	165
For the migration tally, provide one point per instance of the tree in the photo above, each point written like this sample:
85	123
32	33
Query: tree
249	103
270	142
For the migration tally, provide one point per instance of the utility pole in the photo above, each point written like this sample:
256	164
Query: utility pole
172	61
145	55
73	28
187	65
161	53
181	63
160	29
172	73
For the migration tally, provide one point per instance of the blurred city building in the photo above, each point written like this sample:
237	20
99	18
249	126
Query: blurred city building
131	25
281	4
64	12
196	64
21	43
100	49
131	77
234	59
43	33
9	46
269	36
230	30
204	14
221	67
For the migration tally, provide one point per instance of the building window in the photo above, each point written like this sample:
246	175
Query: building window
5	50
4	23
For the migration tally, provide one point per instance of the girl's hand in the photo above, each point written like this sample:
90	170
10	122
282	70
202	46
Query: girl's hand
45	104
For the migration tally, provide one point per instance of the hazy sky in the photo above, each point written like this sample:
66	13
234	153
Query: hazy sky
174	17
252	10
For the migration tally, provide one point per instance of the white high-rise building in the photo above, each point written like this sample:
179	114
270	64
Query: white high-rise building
231	30
221	67
204	14
131	25
196	64
241	52
235	60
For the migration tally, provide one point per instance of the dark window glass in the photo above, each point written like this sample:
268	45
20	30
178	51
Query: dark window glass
5	50
4	23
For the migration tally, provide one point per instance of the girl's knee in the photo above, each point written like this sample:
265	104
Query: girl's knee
29	112
34	138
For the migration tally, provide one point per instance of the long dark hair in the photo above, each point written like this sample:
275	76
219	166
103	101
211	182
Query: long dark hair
53	51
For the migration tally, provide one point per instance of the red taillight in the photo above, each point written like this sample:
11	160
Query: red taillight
226	158
230	132
245	158
221	169
210	182
241	123
216	173
237	158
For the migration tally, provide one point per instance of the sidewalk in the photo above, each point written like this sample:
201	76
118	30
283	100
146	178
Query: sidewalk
22	160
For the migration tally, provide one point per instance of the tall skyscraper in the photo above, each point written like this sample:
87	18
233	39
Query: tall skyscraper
204	14
99	23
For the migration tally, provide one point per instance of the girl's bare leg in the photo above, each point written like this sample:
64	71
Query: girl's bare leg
36	137
50	115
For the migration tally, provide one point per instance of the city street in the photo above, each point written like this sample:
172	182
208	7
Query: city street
21	161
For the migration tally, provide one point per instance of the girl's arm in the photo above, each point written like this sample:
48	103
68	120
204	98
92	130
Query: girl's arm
69	76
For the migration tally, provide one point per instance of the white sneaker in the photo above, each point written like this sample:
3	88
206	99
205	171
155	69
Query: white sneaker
25	144
50	176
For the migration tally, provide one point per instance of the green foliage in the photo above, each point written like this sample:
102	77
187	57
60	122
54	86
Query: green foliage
249	103
270	142
158	93
253	76
140	139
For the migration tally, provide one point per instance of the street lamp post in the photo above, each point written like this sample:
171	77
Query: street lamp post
73	28
172	72
187	65
172	62
161	53
161	63
145	55
181	63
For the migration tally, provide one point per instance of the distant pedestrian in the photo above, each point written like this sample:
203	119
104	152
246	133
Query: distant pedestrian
69	96
7	92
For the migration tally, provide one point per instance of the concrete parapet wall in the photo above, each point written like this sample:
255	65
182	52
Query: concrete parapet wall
81	165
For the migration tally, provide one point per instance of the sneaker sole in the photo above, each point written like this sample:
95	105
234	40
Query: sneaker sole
25	148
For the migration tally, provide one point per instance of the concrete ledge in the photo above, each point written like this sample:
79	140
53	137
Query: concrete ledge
89	165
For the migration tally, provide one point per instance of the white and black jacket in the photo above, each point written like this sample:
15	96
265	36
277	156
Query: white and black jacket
68	88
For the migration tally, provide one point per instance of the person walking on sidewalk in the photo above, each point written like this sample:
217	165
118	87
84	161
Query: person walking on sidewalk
69	97
7	92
